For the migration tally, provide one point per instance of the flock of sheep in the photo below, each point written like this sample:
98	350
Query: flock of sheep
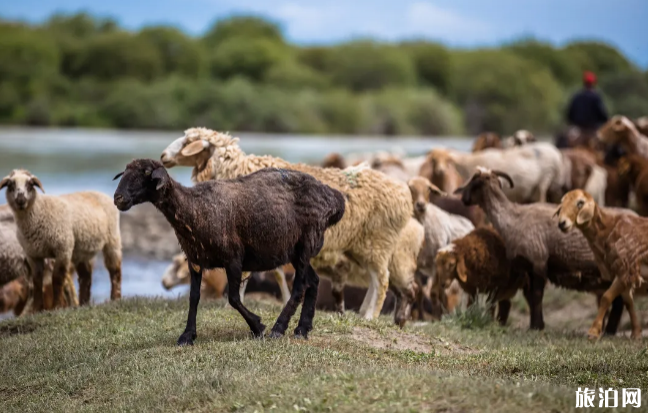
430	229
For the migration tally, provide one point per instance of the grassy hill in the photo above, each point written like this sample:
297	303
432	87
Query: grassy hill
122	357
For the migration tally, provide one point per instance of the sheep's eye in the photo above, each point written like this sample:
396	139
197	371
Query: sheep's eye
580	204
147	172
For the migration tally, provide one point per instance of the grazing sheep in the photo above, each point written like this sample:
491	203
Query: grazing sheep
440	227
620	130
635	169
520	138
619	243
214	281
252	223
378	207
535	167
535	244
70	228
486	140
16	296
478	261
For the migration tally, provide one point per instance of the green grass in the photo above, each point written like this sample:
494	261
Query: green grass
122	357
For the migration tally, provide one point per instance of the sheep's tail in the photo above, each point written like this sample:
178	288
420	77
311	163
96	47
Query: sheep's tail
338	206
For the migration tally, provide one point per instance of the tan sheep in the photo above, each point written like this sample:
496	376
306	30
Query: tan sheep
486	140
620	130
478	262
620	246
377	208
635	168
70	228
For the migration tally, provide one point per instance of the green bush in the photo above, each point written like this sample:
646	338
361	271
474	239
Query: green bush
179	53
433	64
246	27
251	58
598	57
495	96
564	68
364	65
627	93
292	75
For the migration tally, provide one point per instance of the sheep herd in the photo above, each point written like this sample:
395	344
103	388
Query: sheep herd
512	215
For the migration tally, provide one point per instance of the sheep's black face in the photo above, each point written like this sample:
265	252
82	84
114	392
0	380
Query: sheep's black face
471	193
140	182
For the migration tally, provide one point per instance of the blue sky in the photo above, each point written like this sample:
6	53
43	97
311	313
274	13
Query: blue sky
623	23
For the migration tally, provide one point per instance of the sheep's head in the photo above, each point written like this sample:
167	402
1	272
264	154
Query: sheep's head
487	140
141	181
577	208
197	147
473	191
21	189
421	189
617	130
440	160
334	160
177	273
523	137
448	267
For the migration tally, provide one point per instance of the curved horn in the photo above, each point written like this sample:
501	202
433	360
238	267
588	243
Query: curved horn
118	176
4	182
505	176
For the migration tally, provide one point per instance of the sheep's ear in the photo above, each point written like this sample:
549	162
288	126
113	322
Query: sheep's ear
159	175
194	148
586	213
4	182
557	212
35	181
462	271
118	176
435	190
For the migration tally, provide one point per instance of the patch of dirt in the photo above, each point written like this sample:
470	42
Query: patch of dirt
392	340
12	330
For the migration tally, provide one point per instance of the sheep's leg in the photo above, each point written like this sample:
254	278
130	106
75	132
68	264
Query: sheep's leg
404	305
381	291
534	292
280	277
296	297
337	291
234	275
628	300
189	335
84	271
617	288
366	310
38	268
503	310
305	324
614	318
113	261
243	287
61	268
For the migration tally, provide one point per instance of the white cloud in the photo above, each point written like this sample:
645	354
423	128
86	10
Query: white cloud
428	19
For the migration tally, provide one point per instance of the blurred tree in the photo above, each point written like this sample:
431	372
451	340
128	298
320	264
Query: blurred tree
26	55
432	62
80	25
598	57
116	55
317	58
627	93
365	65
248	27
565	69
503	92
293	75
251	58
180	54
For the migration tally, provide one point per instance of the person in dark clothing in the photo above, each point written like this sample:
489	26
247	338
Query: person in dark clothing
586	111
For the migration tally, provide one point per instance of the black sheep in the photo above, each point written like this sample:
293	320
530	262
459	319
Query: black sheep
256	222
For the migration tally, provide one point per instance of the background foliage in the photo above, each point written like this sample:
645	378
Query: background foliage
79	70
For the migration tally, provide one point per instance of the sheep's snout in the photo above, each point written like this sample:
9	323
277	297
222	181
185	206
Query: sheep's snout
167	160
420	206
20	200
565	225
122	203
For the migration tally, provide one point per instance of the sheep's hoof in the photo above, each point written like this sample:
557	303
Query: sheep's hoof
594	334
260	331
186	339
301	333
636	335
275	334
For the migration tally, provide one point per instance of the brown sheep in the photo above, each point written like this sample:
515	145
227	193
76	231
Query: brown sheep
478	261
486	140
334	160
620	246
620	130
635	169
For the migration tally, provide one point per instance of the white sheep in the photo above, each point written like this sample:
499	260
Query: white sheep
70	228
534	168
378	207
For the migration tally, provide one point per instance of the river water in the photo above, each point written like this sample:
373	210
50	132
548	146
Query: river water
68	160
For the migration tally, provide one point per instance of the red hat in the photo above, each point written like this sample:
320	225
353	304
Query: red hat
589	78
